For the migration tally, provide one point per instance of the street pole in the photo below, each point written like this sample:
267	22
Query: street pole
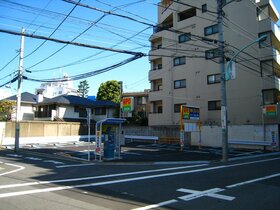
223	82
121	91
18	112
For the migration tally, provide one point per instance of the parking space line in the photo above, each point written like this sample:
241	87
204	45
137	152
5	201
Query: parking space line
52	189
253	180
13	171
97	177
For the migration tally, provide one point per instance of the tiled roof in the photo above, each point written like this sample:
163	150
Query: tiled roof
77	101
25	97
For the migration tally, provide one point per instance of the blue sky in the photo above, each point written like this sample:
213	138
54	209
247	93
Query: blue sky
41	17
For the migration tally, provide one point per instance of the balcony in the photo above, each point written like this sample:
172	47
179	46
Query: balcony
269	8
270	53
271	82
269	26
164	25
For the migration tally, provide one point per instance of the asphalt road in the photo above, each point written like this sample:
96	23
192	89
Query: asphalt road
29	181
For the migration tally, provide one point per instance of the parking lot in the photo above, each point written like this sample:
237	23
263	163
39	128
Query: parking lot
141	152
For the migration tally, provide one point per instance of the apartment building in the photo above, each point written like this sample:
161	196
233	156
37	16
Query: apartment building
141	102
184	61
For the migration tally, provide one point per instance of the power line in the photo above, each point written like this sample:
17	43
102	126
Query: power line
88	74
53	31
91	56
27	27
69	42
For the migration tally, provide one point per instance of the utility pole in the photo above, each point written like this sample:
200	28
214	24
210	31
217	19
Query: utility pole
18	113
223	82
121	92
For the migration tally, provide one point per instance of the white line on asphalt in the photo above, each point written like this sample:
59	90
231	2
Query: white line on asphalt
157	205
28	192
53	161
97	177
253	180
13	171
76	165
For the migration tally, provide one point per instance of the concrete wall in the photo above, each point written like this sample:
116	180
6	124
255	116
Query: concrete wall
42	131
2	132
211	135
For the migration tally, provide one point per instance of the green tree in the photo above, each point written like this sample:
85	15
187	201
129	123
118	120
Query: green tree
110	91
83	88
6	109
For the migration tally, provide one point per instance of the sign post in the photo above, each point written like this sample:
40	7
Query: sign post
88	122
192	116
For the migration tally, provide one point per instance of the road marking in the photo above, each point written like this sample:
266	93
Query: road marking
27	192
210	193
193	195
53	161
13	171
13	155
157	205
97	177
253	180
76	165
32	158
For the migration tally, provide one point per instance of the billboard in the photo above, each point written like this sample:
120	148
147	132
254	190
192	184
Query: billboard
127	104
190	113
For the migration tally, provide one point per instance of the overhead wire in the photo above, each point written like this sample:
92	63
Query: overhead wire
26	27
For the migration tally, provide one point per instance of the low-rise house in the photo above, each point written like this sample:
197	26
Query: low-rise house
68	108
73	108
28	101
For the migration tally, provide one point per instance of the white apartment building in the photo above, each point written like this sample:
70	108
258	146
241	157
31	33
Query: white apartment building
53	89
185	61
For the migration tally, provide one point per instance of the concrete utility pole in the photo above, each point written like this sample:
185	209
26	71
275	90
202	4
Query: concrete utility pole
223	82
18	113
121	92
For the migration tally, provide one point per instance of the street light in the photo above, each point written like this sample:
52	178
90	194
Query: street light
261	38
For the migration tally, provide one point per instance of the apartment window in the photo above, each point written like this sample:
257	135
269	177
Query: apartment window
177	107
100	111
209	41
159	66
264	42
211	30
271	96
184	37
159	109
204	8
179	84
268	68
214	53
139	101
214	78
214	105
179	61
159	46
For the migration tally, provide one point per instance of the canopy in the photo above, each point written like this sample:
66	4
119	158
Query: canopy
111	121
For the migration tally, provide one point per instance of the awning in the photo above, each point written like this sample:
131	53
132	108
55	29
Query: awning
111	121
